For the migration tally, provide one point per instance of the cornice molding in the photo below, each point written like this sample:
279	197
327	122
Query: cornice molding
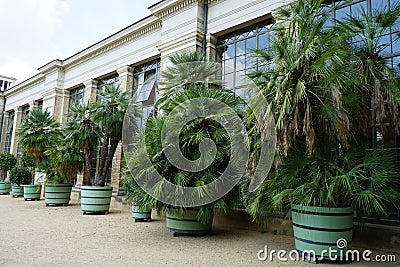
168	8
54	65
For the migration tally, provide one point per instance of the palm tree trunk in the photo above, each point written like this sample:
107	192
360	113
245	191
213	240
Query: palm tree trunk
100	178
113	148
88	160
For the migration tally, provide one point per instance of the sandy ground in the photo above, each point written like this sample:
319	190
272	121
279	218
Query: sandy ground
32	234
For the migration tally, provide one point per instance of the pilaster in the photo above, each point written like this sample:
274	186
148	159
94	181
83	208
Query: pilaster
4	131
17	123
90	90
125	74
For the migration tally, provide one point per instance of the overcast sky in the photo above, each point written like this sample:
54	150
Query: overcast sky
35	32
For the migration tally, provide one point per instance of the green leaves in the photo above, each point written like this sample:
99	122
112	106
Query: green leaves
37	132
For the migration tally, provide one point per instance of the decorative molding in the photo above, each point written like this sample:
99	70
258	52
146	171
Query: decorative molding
55	65
214	2
170	8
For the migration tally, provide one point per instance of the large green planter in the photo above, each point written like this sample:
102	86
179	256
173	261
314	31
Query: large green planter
5	188
95	199
186	223
139	214
32	191
57	194
321	230
17	191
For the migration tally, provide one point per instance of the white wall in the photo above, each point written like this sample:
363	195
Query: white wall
128	54
26	96
227	14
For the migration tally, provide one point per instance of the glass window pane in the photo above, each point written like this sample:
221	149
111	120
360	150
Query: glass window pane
342	13
241	62
395	43
229	80
251	62
262	41
229	65
394	2
356	9
229	52
240	47
251	44
145	91
396	65
384	45
378	4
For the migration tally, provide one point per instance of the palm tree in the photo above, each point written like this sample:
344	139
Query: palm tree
363	34
182	85
38	132
65	159
83	133
99	124
320	87
304	79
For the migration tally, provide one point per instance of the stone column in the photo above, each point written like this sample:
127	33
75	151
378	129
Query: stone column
125	74
4	131
211	47
125	78
17	123
90	90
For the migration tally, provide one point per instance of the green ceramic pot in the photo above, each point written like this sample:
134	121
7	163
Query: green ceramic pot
57	194
322	229
139	214
17	191
95	199
5	188
32	191
186	223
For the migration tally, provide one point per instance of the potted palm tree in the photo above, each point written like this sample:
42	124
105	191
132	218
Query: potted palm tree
320	86
25	162
61	167
7	161
19	176
178	91
98	124
141	210
36	133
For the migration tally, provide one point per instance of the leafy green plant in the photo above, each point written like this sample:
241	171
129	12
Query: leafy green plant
190	137
320	86
64	160
363	180
36	133
98	124
27	161
20	175
7	161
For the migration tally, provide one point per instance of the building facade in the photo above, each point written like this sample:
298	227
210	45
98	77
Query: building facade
226	30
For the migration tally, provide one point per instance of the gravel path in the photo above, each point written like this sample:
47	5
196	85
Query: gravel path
32	234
